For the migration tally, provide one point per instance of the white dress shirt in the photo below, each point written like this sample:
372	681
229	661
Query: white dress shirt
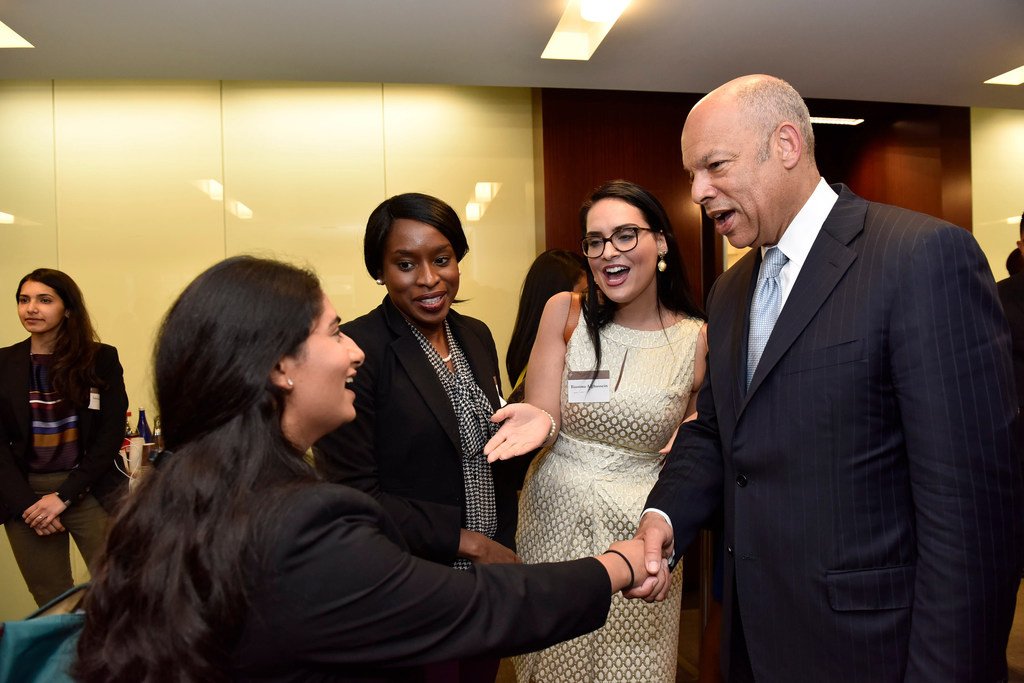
800	235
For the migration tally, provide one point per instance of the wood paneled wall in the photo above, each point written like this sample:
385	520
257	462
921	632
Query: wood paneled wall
915	156
591	136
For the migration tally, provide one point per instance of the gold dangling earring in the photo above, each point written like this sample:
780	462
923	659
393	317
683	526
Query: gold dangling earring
662	266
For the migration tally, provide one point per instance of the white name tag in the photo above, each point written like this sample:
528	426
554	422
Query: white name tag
588	386
94	399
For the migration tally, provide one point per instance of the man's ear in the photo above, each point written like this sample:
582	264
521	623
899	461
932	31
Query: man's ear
790	144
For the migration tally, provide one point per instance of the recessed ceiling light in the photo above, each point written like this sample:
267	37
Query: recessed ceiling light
583	26
474	211
211	188
834	121
1012	77
240	210
602	11
484	192
8	38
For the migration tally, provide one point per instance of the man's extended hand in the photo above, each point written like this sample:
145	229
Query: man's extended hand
657	536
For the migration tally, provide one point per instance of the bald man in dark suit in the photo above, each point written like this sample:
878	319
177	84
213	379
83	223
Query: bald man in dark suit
855	421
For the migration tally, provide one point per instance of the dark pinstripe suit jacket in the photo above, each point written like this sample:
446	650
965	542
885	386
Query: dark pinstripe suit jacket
873	507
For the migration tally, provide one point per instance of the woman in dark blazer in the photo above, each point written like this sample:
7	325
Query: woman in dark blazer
58	453
406	447
235	562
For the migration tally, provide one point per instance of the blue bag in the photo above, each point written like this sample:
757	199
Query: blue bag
41	647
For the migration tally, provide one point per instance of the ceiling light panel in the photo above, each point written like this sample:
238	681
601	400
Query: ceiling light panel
836	121
1012	77
8	38
576	37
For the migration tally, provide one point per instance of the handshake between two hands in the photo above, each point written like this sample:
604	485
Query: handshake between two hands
647	556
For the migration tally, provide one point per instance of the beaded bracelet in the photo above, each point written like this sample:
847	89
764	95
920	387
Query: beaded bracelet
632	576
554	427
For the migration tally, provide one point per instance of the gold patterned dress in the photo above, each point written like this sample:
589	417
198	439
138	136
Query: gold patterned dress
589	487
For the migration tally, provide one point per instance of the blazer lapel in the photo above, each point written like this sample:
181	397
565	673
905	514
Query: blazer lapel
738	290
476	352
410	355
16	382
826	263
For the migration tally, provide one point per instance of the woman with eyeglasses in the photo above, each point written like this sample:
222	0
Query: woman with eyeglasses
608	395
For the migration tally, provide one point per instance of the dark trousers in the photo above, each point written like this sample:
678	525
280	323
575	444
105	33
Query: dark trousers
45	561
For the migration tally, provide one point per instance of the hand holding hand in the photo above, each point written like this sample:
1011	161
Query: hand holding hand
525	428
624	562
658	541
43	512
53	527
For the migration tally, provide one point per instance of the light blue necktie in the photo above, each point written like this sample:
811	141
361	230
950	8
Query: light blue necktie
764	309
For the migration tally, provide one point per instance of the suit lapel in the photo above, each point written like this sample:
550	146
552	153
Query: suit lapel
475	351
826	263
16	382
739	289
409	353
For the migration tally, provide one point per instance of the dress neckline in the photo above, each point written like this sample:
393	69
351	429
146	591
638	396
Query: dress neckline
649	338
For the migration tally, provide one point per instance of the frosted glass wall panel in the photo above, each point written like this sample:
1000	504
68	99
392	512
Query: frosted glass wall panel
133	189
444	141
997	183
134	226
28	233
306	161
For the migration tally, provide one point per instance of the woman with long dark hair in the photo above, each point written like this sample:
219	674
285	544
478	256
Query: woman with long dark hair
553	271
62	407
233	561
608	394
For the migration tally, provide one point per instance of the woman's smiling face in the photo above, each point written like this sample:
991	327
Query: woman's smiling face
624	277
420	272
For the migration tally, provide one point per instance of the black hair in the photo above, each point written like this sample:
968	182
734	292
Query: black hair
553	271
415	207
1014	262
178	555
72	370
673	286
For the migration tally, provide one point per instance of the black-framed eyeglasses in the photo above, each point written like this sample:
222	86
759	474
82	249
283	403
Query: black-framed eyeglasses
624	238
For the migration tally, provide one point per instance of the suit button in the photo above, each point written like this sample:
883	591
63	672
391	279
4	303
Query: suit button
741	480
729	550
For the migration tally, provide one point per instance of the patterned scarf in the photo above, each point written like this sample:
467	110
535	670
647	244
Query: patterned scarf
473	412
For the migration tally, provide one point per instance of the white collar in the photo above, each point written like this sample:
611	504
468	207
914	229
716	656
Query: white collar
799	236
